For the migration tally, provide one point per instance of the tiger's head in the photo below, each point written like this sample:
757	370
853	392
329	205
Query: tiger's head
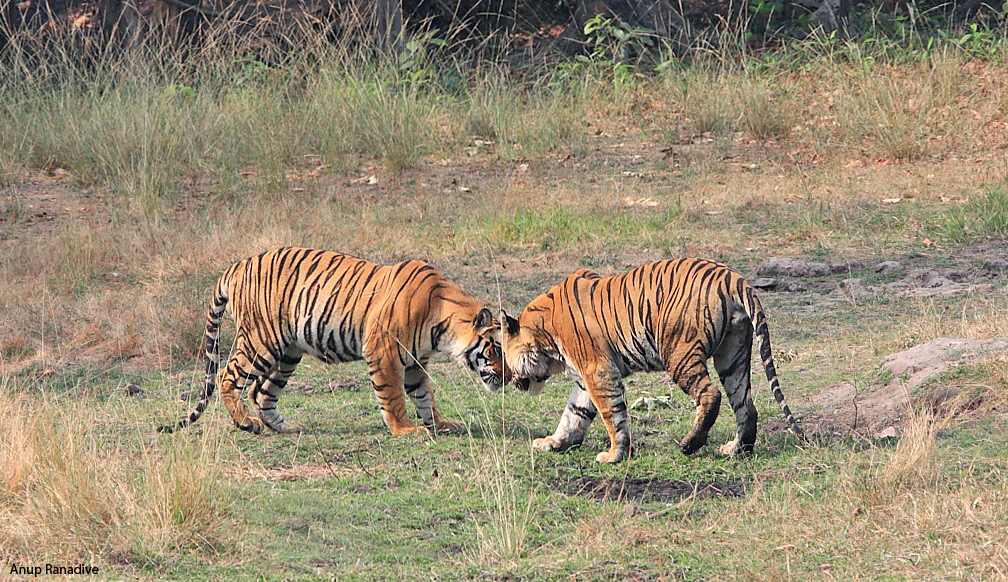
531	354
482	353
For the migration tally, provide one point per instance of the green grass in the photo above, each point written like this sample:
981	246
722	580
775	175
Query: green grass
981	217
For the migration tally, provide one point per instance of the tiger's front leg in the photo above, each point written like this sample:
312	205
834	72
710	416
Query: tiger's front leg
574	421
418	386
609	397
387	379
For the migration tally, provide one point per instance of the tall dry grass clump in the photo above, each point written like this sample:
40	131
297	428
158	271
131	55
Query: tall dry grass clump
70	492
503	536
914	461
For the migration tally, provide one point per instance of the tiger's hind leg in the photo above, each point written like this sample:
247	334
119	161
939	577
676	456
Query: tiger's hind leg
574	421
266	391
418	387
245	366
732	362
692	377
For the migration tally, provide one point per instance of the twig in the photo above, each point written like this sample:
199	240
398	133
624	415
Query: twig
318	446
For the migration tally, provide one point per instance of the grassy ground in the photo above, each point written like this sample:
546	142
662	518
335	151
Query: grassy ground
123	199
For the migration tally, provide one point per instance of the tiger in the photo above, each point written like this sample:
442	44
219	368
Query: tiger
669	315
288	302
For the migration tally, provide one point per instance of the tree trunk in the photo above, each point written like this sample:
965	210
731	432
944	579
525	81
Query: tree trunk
389	24
830	15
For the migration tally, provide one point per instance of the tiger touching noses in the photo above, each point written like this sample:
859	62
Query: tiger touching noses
670	315
288	302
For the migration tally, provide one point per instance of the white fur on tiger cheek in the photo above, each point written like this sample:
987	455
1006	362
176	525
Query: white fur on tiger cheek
532	364
529	365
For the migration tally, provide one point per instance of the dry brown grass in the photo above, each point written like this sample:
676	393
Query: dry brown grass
68	492
503	538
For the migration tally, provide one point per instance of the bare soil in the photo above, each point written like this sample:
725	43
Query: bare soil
650	490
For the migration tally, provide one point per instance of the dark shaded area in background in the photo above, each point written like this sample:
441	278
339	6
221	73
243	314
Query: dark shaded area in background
552	27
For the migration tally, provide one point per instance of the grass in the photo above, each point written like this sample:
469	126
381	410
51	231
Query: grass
983	217
121	497
128	189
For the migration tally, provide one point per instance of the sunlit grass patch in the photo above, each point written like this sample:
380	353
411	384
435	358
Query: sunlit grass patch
70	491
983	216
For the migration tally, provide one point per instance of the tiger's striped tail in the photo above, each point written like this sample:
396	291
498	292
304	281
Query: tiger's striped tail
760	329
211	344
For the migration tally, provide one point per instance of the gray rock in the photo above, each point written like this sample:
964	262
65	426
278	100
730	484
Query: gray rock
854	288
887	267
777	267
996	266
914	366
841	267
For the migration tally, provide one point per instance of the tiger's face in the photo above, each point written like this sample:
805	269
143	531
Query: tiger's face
483	354
530	360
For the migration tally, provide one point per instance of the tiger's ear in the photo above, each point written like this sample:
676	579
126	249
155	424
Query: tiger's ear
484	319
510	323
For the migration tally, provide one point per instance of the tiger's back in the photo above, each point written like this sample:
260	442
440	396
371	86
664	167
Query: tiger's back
656	313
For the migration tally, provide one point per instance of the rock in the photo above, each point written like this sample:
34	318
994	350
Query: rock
768	283
937	282
855	289
132	389
926	283
887	433
959	274
921	362
188	395
888	267
841	267
777	267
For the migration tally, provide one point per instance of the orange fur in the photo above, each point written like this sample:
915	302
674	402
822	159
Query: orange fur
291	301
669	315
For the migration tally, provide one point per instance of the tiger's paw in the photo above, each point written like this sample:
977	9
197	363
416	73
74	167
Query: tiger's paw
547	444
691	444
449	427
728	449
610	456
407	429
293	428
255	425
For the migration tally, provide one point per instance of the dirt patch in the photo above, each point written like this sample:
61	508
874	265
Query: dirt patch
912	275
650	490
314	471
845	409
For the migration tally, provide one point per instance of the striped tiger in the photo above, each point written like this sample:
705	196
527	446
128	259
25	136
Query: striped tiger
670	315
288	302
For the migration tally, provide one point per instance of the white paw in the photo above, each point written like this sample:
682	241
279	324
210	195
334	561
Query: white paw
545	444
728	449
